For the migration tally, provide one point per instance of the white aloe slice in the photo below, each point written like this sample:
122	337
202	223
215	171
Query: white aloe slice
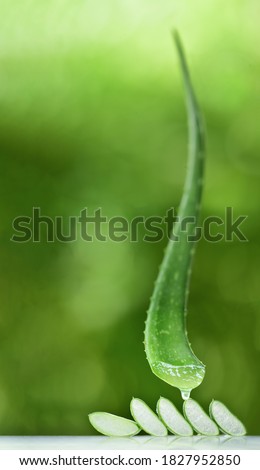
146	418
227	422
112	425
172	418
198	419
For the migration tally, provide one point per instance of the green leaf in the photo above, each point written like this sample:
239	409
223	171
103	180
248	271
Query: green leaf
167	346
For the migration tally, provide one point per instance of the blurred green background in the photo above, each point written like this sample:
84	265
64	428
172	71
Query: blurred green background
92	114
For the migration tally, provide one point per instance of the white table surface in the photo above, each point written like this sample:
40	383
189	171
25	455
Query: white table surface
136	443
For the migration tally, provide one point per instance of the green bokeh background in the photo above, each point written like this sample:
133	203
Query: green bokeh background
92	114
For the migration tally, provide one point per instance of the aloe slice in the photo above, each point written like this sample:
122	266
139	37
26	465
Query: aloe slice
198	419
112	425
172	418
146	418
227	422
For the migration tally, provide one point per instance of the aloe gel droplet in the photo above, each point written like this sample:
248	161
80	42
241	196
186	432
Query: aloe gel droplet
185	394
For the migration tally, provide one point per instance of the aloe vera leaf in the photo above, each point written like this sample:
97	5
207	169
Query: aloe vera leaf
226	421
172	418
166	342
198	419
112	425
146	418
